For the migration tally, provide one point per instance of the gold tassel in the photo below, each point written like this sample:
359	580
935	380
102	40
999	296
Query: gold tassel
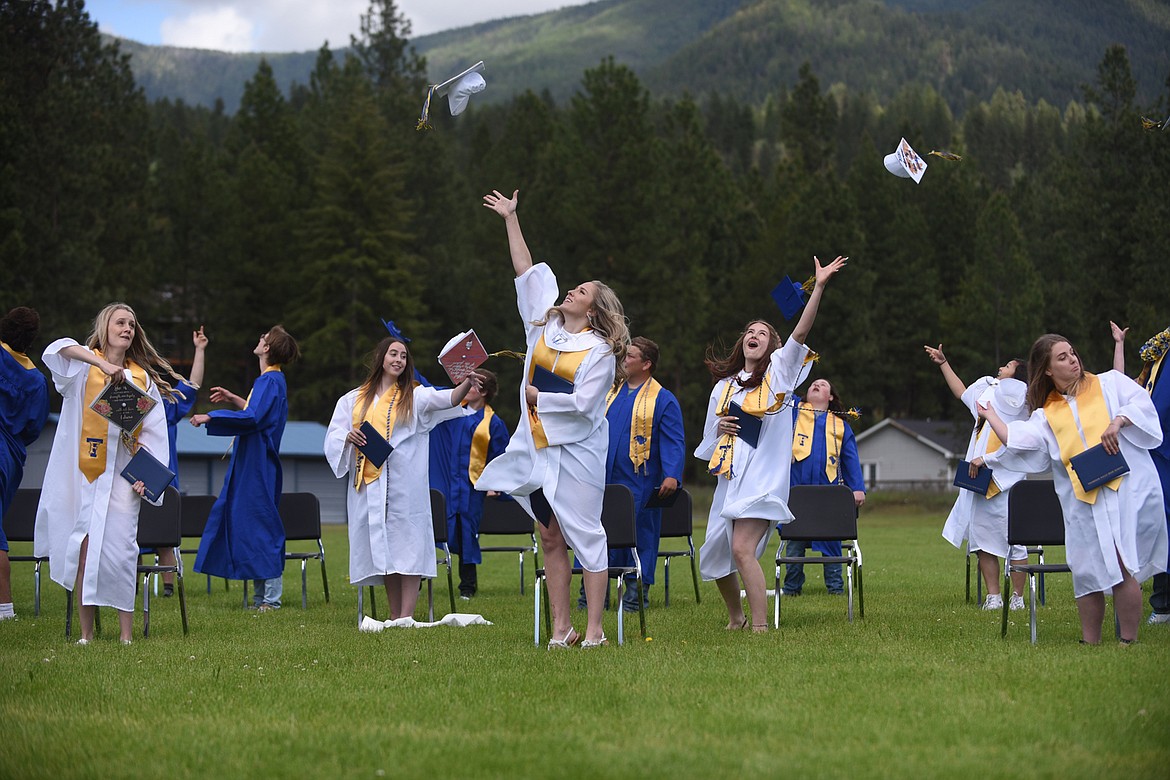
423	120
945	155
508	353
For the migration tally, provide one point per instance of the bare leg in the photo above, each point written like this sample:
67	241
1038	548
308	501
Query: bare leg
85	614
557	573
166	557
1092	611
989	568
5	578
595	585
125	626
1127	602
393	595
729	590
409	596
745	536
1019	579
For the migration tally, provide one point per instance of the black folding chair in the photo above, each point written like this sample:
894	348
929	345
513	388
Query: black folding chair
504	517
677	522
196	510
301	515
823	513
160	527
19	524
1034	519
439	521
617	517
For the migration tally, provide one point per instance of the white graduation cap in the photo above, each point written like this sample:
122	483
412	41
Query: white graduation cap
905	162
458	90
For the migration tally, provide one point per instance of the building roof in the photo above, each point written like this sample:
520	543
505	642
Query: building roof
947	437
301	439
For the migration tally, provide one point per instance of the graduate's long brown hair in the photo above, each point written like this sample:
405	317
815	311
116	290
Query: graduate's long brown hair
734	361
1040	384
405	381
141	351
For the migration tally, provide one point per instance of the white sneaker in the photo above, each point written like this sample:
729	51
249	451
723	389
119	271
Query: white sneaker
1016	603
1158	617
993	601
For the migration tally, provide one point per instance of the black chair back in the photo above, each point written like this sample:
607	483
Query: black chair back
823	513
161	526
617	517
676	518
301	515
21	518
439	516
196	510
502	515
1034	514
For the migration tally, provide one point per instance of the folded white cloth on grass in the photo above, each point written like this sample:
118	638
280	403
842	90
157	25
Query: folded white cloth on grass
457	619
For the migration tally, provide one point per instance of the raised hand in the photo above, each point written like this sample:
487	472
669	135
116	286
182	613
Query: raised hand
824	273
935	354
1118	332
503	206
199	339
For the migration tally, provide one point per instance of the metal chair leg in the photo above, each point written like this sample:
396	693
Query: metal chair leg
695	577
666	582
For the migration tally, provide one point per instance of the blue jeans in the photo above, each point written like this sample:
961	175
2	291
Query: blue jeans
267	592
794	572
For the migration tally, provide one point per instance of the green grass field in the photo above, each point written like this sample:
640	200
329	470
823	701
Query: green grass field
922	687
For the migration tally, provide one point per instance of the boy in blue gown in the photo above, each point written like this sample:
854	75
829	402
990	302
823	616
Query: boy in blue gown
24	407
646	454
244	537
460	448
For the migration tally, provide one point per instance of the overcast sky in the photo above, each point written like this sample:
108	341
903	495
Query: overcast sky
286	25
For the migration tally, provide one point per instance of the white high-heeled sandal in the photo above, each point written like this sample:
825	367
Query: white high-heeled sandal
571	638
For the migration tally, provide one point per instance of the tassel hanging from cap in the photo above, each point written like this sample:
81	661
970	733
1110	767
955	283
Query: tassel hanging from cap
424	118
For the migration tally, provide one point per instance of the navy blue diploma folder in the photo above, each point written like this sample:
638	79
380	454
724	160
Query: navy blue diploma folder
1095	467
659	502
546	381
749	424
979	484
145	468
376	448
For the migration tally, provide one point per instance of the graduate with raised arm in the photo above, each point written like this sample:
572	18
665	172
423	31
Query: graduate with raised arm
751	491
1115	535
87	520
176	409
244	536
24	408
391	536
560	444
982	520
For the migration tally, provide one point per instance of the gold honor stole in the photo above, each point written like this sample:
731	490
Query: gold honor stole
1157	367
91	456
479	444
1094	420
381	416
802	439
24	360
642	422
757	403
564	365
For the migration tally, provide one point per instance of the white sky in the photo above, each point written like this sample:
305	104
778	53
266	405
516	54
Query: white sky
286	25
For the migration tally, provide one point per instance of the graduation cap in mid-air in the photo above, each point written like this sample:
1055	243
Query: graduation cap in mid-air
789	295
905	162
458	90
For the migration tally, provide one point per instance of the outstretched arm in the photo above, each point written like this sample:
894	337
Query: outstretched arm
506	208
809	315
198	362
1118	346
953	382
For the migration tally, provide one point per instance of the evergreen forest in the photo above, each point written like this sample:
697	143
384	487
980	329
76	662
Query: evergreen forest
324	209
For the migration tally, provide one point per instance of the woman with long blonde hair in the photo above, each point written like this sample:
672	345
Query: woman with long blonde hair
391	538
559	448
1115	535
87	524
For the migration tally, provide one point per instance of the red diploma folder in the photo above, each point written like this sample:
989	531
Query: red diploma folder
462	355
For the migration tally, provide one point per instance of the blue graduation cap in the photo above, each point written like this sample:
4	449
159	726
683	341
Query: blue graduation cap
789	296
394	331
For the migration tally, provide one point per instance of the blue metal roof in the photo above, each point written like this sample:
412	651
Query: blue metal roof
300	440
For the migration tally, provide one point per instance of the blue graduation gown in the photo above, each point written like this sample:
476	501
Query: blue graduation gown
811	470
450	457
1160	395
244	537
176	410
667	454
24	407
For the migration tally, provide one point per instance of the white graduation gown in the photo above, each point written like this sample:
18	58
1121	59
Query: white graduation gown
759	484
390	529
571	470
1131	520
983	521
105	510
